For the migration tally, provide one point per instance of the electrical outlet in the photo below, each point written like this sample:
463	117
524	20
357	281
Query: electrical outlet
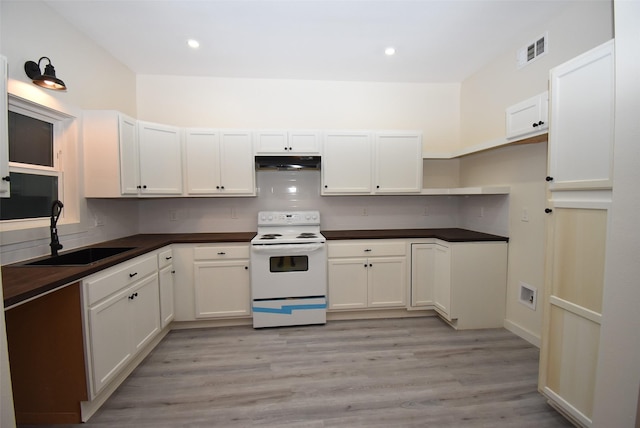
365	211
173	215
481	212
525	214
426	211
98	221
234	213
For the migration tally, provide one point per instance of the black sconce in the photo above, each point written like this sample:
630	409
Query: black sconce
47	79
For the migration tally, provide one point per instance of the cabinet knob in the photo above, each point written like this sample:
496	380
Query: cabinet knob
173	271
144	186
217	187
370	265
246	267
549	178
377	187
222	187
540	123
535	125
365	265
138	187
6	178
325	186
548	210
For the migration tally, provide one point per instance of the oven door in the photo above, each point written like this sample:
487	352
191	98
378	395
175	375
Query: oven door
288	270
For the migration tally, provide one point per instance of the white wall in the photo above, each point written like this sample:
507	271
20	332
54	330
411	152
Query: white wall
275	193
618	378
486	94
212	102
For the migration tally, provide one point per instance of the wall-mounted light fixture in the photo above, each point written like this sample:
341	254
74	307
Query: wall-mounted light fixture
47	79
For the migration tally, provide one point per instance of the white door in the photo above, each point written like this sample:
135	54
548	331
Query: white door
160	159
528	116
222	288
387	281
237	169
348	279
129	163
110	337
203	161
347	163
422	274
398	163
145	316
582	121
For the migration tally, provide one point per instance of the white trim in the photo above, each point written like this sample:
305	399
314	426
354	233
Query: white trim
576	310
525	334
566	407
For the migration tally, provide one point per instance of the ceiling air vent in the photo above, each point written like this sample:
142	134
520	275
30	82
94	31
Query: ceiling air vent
533	50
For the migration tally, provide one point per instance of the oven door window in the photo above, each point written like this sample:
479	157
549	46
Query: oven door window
288	264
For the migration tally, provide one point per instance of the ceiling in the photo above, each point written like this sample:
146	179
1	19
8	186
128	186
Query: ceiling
435	40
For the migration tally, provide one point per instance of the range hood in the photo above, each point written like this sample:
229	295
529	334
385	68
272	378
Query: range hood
287	163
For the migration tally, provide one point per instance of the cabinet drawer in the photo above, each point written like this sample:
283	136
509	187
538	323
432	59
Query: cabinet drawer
118	277
165	258
367	248
221	252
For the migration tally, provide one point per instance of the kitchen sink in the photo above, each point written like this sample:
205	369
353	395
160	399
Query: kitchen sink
82	257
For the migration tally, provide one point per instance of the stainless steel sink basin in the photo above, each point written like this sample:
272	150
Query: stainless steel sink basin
82	257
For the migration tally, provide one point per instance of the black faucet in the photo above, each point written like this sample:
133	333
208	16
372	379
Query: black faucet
56	209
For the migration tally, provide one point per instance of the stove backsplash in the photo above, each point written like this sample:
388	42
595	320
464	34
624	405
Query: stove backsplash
300	190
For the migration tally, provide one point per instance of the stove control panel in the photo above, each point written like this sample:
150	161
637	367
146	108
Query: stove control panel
283	218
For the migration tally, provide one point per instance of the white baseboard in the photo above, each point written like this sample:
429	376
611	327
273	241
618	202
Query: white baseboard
522	332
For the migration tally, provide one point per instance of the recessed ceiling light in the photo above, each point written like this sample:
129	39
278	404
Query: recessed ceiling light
193	43
390	51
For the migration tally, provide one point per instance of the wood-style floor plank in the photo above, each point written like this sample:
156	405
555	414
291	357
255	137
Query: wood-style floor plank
415	372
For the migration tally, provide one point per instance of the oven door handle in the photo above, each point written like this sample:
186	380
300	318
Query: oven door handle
288	248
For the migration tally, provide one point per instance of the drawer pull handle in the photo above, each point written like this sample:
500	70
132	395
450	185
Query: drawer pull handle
168	258
221	253
368	250
133	296
131	275
173	271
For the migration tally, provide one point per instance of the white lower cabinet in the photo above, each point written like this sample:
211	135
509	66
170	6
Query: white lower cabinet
122	315
367	274
222	285
469	281
165	277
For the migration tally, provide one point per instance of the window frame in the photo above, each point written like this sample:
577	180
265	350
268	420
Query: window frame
65	168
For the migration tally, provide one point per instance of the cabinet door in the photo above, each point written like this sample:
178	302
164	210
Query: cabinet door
582	117
273	142
5	185
145	311
237	168
347	163
167	312
573	306
160	159
422	274
348	280
203	161
387	282
528	116
442	281
398	163
129	163
110	338
304	142
222	289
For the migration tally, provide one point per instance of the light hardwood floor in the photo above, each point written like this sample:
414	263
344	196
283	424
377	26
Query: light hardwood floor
415	372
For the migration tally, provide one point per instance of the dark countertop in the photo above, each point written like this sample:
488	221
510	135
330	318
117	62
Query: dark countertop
21	282
449	235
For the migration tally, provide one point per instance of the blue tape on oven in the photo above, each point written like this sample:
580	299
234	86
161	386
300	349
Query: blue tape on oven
288	309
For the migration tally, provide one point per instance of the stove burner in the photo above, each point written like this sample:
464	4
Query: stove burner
307	235
270	236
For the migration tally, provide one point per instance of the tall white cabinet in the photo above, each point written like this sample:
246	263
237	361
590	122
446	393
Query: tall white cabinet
580	182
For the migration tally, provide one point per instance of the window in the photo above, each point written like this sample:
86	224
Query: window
35	171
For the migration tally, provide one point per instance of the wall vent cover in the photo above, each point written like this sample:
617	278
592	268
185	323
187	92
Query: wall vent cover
533	50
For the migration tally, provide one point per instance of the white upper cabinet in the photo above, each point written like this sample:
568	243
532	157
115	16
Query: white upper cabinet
160	159
398	161
582	121
276	142
370	163
528	117
219	163
347	163
4	136
129	163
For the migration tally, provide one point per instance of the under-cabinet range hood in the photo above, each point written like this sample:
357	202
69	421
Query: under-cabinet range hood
287	163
